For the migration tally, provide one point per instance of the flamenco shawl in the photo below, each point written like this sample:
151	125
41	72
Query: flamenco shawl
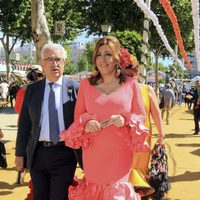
155	21
168	9
157	175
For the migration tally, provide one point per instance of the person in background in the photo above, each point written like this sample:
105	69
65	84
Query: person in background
141	159
196	108
34	73
4	90
52	164
169	101
105	126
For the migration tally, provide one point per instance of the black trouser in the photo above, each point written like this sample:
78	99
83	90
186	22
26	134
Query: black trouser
196	119
52	172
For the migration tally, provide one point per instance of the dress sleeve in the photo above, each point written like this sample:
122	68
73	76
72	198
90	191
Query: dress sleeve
138	108
135	122
75	135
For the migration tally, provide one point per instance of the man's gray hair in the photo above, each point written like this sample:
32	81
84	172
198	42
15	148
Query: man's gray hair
54	46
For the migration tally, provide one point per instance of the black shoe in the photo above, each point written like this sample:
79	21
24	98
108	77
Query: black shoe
195	133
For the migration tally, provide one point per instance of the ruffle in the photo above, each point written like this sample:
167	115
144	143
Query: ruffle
75	136
138	133
91	191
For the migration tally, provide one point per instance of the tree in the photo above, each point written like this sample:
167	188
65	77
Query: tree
130	40
182	9
85	63
40	30
14	23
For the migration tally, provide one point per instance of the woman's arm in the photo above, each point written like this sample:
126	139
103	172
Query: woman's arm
156	114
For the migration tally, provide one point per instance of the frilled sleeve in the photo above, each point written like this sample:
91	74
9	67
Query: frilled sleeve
75	135
135	122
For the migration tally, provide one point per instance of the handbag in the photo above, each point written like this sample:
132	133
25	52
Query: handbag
3	162
157	175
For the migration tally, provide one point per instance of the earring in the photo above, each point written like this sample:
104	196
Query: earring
95	73
118	71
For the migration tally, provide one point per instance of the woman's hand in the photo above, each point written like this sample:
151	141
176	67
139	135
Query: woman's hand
92	126
161	139
116	120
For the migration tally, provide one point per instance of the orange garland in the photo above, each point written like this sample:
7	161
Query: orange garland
168	9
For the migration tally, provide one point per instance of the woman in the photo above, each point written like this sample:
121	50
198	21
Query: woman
105	128
141	159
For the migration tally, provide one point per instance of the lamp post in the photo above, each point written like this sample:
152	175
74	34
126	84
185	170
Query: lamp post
106	28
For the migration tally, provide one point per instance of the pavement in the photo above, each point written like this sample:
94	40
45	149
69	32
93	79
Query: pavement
183	157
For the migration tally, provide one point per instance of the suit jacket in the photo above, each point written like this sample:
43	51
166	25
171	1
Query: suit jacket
29	121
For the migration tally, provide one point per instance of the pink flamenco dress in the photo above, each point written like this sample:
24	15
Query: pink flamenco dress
107	154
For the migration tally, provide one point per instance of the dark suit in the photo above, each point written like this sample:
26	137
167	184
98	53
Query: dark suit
59	160
196	111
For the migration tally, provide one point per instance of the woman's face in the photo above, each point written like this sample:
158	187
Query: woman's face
105	60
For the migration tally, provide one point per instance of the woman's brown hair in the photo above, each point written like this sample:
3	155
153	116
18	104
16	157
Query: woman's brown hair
115	46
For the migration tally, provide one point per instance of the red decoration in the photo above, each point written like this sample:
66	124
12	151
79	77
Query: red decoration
168	9
124	58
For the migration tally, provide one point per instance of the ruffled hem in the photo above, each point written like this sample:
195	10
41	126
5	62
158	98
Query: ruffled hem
91	191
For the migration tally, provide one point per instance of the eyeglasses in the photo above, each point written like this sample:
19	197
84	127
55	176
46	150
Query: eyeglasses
51	60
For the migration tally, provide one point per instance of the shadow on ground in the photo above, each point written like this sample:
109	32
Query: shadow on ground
187	176
177	135
7	110
4	185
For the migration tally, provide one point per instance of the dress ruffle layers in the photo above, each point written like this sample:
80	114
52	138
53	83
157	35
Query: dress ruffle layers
107	154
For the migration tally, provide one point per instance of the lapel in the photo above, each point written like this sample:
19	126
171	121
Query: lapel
40	96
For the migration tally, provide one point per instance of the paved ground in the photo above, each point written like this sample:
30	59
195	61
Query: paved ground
183	150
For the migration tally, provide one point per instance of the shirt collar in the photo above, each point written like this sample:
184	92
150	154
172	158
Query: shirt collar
58	82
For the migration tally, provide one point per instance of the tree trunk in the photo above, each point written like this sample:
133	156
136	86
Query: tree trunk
7	49
40	31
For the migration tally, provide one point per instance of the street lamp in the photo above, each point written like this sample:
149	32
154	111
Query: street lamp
106	28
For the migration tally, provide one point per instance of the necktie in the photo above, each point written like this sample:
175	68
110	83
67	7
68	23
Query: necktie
53	117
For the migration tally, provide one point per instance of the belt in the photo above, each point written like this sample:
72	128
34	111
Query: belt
51	144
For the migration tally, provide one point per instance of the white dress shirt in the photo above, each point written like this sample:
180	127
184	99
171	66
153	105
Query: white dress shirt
44	119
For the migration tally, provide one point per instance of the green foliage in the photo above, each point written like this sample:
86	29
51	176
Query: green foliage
182	9
122	15
70	11
69	68
130	40
15	18
85	62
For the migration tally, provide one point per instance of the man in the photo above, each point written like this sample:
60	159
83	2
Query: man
169	101
52	164
196	100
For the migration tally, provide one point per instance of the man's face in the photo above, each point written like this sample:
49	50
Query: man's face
53	64
198	83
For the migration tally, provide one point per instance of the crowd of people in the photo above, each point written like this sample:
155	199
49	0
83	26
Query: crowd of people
103	124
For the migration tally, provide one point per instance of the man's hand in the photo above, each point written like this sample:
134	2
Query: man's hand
19	162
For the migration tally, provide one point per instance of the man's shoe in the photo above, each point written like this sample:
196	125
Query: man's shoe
195	133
